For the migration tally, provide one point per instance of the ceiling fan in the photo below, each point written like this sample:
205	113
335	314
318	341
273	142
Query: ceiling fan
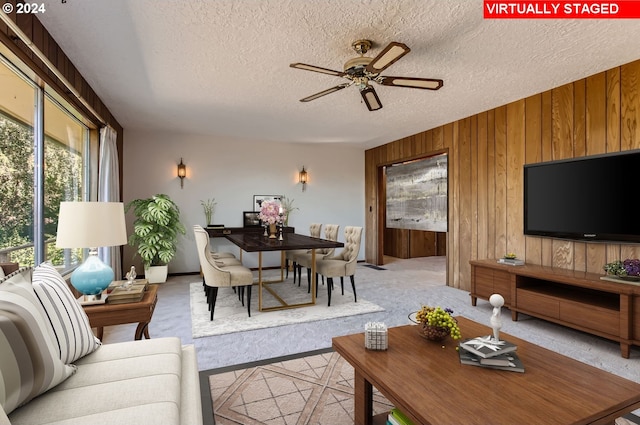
362	70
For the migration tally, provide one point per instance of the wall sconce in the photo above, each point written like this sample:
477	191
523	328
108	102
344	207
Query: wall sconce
182	172
303	177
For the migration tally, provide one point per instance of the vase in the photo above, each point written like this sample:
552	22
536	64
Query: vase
273	230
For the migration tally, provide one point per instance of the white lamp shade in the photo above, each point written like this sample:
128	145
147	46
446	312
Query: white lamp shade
91	225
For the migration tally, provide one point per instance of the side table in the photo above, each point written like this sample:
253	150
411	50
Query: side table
140	312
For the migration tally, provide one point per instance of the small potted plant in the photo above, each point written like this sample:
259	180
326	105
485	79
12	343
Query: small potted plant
155	233
437	323
209	206
287	204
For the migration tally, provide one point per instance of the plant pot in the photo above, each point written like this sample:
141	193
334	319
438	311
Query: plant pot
156	274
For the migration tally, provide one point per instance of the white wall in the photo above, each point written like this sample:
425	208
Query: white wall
232	171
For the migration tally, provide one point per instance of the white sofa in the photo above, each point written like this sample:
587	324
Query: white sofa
152	381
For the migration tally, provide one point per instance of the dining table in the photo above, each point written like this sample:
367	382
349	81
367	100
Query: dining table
258	242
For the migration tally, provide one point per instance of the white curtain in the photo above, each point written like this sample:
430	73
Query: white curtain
109	190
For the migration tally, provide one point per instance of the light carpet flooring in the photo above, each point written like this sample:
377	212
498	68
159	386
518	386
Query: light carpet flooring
400	289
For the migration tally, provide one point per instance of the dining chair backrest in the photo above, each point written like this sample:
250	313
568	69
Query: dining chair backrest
315	229
213	275
330	233
352	242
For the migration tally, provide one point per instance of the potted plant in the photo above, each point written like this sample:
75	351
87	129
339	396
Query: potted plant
209	206
155	233
287	204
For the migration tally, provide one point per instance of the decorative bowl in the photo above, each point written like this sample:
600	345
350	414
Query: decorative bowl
630	278
433	333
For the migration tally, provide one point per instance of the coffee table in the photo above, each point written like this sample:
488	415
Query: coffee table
426	381
140	312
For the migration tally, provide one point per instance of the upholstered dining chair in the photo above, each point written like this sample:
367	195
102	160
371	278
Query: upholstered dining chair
315	229
223	258
303	259
343	264
215	276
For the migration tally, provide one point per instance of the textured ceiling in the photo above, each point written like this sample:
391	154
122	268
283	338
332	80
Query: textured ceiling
221	67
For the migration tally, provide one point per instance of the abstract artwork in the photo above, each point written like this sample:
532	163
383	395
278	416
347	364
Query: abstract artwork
417	194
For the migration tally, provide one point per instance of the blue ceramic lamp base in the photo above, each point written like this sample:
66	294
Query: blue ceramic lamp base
93	276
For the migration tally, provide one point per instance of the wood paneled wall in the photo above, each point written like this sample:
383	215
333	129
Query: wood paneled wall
31	26
487	152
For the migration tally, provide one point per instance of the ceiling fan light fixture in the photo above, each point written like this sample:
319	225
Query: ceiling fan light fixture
370	98
362	70
360	62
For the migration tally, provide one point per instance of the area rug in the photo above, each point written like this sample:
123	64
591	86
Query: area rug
315	389
231	316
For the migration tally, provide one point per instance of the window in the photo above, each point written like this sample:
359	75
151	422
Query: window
40	166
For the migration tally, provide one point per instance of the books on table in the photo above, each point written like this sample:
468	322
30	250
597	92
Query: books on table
487	346
396	417
510	361
119	294
485	351
511	261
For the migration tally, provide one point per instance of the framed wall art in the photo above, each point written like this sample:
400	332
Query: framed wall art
259	199
417	194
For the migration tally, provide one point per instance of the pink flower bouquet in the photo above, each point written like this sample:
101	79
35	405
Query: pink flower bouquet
271	212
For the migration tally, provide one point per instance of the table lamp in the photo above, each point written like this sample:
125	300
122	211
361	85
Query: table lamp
91	225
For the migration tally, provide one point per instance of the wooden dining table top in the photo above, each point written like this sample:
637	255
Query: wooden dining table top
256	242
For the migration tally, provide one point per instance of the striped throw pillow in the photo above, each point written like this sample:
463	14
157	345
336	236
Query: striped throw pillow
70	323
29	361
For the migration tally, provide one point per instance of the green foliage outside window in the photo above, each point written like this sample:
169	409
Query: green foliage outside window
63	172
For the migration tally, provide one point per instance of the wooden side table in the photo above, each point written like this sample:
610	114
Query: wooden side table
140	312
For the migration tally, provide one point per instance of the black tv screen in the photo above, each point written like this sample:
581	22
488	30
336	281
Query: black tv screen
589	198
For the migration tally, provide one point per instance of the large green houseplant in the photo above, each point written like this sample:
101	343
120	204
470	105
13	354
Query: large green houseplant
155	233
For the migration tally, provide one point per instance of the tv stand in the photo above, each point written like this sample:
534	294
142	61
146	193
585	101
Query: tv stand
571	298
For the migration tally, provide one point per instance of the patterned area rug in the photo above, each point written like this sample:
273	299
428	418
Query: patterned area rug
231	316
316	389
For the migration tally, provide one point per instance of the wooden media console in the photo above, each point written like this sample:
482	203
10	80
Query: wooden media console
578	300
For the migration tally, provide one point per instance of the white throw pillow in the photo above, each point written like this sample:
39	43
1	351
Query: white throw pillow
29	363
67	317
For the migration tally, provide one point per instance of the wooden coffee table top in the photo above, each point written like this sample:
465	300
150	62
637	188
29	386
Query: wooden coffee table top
427	382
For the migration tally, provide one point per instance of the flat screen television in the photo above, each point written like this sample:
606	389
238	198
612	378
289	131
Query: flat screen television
589	198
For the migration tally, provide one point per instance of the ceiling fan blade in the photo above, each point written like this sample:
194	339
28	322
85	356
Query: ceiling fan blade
371	98
325	92
387	57
306	67
414	83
